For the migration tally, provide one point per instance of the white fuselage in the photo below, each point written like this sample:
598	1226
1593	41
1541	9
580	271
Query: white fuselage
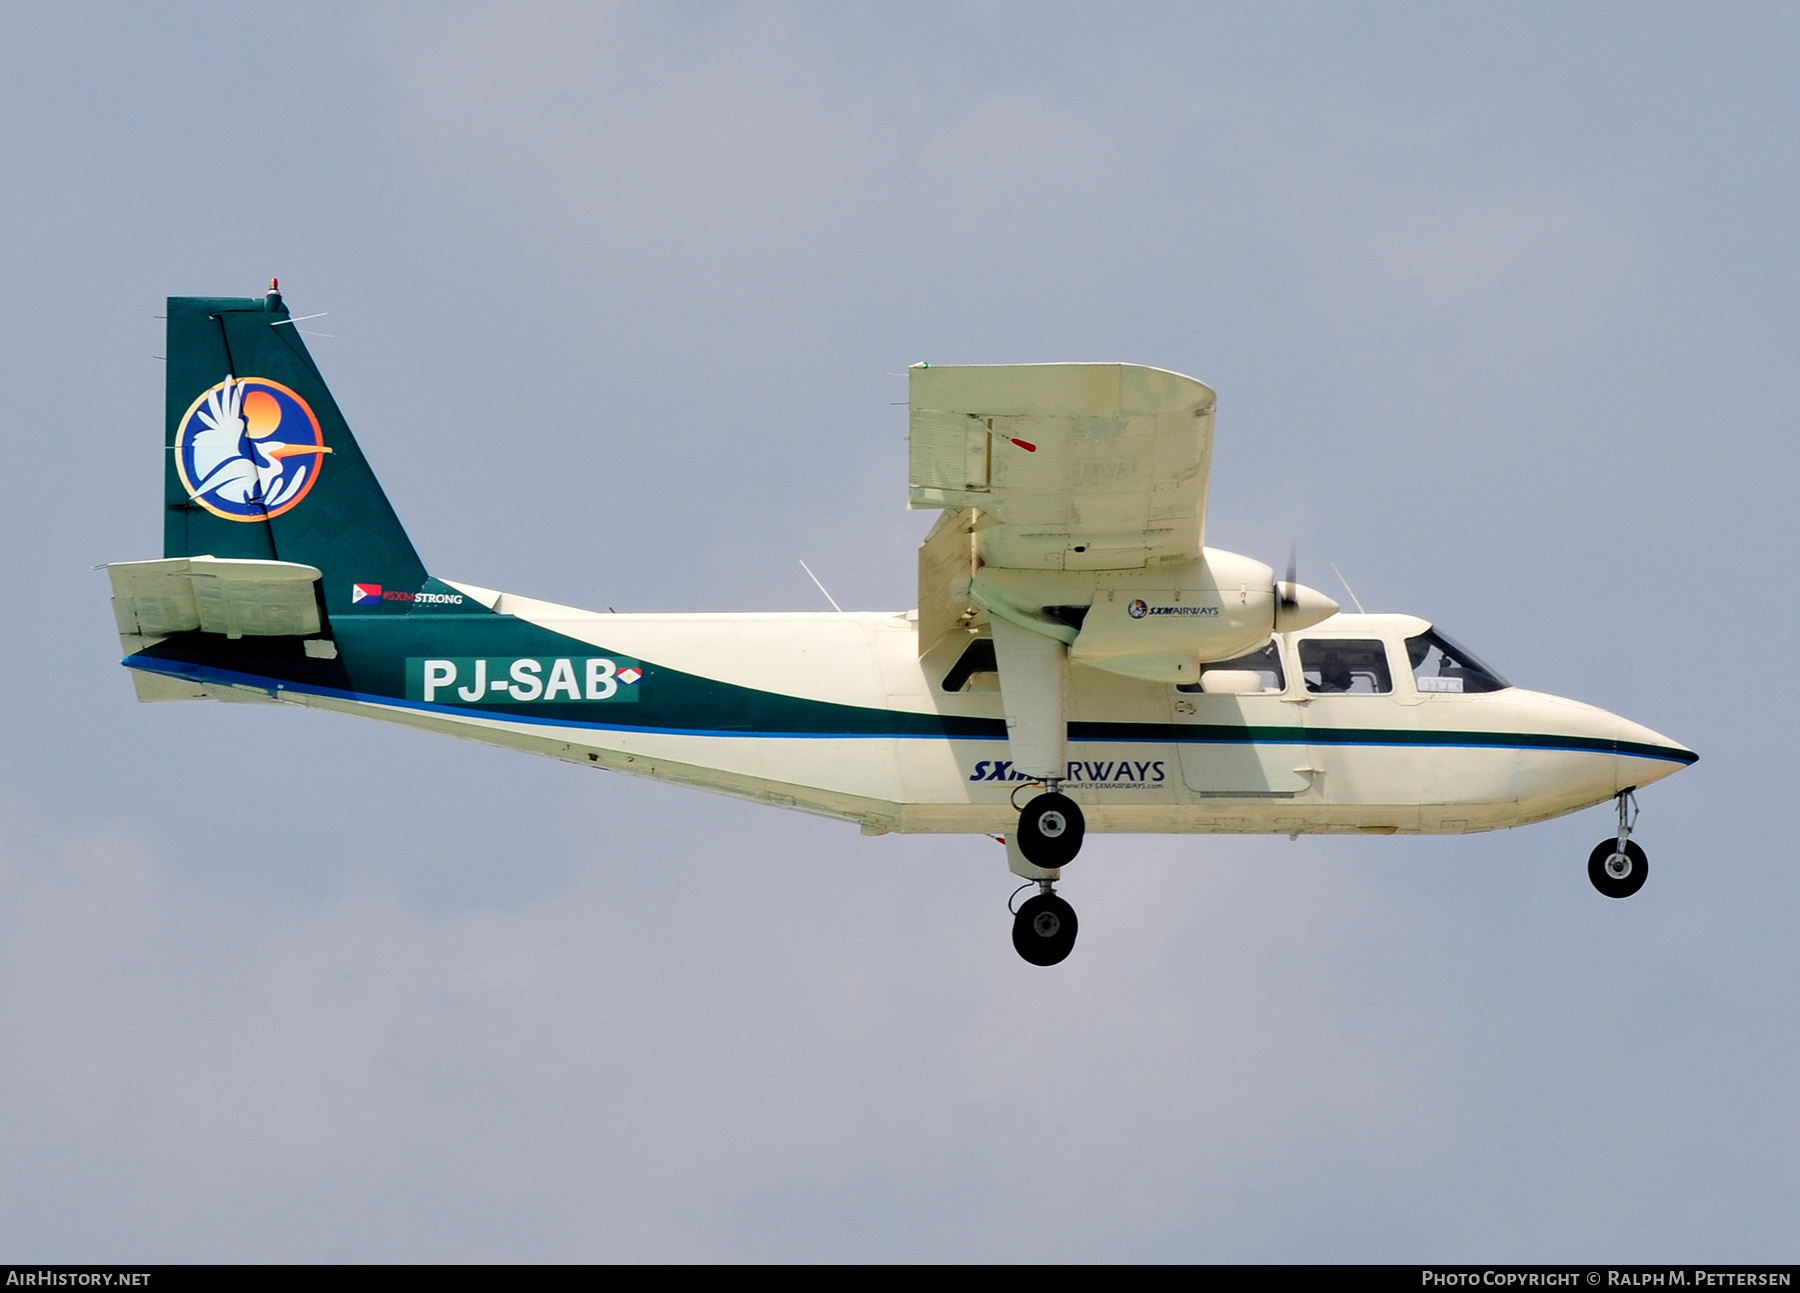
1143	756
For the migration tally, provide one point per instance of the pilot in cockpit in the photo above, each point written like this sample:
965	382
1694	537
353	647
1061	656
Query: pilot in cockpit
1334	675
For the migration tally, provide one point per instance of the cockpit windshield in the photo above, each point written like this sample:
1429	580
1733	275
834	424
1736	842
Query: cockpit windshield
1438	664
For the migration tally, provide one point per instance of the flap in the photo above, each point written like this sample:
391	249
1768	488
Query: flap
233	596
946	565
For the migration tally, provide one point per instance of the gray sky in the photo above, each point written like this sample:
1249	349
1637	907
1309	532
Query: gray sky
1501	304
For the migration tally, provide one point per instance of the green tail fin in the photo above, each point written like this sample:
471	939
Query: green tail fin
260	462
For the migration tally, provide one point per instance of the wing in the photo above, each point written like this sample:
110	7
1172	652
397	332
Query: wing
1071	466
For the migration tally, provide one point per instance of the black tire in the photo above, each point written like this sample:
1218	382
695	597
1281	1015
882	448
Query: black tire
1618	886
1044	930
1050	831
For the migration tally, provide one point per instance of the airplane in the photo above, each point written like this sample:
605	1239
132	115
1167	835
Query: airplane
1079	660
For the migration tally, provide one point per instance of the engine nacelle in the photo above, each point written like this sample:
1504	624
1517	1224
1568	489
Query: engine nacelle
1160	623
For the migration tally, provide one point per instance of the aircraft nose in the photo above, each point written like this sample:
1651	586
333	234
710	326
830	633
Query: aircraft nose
1644	755
1636	754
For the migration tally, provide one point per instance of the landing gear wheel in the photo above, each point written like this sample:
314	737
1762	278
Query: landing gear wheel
1616	874
1044	929
1050	831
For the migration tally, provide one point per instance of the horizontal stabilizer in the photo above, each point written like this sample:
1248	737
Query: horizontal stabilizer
233	596
151	687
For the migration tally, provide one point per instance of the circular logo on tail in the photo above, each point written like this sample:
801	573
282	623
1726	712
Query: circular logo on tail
249	449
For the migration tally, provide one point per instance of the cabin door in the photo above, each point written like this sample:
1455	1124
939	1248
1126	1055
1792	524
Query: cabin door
1241	746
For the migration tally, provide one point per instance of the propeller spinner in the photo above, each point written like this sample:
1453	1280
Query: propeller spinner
1296	605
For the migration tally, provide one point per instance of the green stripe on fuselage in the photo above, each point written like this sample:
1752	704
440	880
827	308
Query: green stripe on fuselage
374	651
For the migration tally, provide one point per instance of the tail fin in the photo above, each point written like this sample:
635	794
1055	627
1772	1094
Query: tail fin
260	461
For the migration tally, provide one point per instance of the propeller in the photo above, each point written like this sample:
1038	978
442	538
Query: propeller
1285	591
1296	605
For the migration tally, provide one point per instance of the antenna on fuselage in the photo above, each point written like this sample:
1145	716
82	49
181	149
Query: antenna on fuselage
1347	588
828	596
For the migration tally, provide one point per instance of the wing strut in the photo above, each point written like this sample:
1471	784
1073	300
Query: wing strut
1034	691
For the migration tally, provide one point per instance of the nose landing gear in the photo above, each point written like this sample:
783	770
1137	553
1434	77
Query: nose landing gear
1617	866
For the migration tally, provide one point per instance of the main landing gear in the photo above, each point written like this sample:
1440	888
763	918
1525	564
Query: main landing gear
1044	927
1048	837
1617	866
1050	830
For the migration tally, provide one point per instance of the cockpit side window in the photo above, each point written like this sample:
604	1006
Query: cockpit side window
1265	664
1439	665
1345	666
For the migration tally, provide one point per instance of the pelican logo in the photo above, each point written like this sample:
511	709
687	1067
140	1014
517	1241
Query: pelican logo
249	449
1138	609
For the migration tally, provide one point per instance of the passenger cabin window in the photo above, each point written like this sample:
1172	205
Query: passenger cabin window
978	658
1340	666
1255	674
1439	665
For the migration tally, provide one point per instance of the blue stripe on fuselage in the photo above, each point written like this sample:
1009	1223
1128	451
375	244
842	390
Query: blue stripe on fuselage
906	725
